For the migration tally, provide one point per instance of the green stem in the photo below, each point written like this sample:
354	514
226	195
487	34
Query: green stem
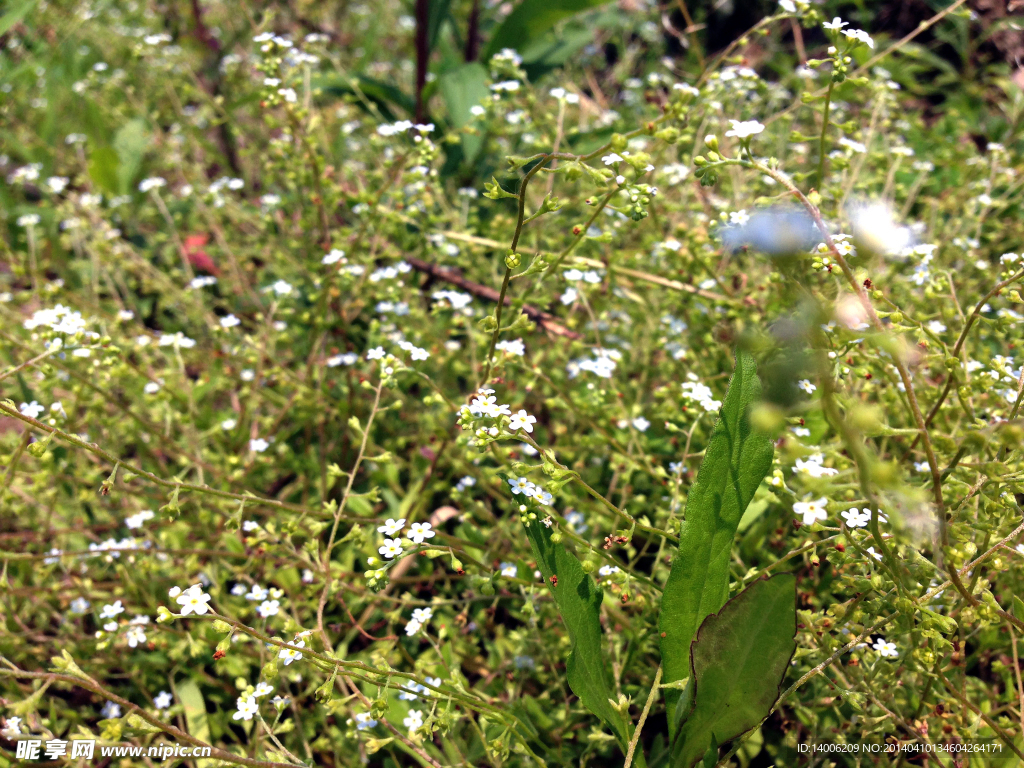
824	128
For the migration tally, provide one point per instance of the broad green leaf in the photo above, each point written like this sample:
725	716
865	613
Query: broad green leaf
462	88
531	19
579	602
195	712
130	144
103	169
738	661
735	462
1018	608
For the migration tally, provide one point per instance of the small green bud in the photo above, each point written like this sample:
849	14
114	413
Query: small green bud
512	259
712	142
668	135
556	537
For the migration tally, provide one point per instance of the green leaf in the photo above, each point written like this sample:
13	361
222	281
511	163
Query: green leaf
130	144
1018	608
735	462
463	88
436	15
579	602
103	169
195	712
531	19
380	98
15	15
738	661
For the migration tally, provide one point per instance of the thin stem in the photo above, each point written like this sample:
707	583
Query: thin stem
824	130
643	717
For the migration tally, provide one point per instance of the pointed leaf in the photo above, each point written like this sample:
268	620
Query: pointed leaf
736	461
530	19
1018	608
738	661
579	602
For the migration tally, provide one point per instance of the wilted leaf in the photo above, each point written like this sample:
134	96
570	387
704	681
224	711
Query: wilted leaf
738	661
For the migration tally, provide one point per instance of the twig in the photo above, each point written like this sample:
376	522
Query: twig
543	319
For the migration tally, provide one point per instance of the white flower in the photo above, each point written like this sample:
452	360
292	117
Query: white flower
174	591
509	569
522	420
110	710
412	627
79	605
281	288
861	36
811	510
154	182
229	321
193	600
607	570
364	720
414	720
375	354
886	648
392	527
28	220
744	129
787	6
268	608
246	708
641	424
614	157
506	85
876	555
418	532
263	689
515	347
856	518
835	25
163	700
814	466
176	340
523	486
32	410
287	655
135	635
110	611
390	549
806	386
258	445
